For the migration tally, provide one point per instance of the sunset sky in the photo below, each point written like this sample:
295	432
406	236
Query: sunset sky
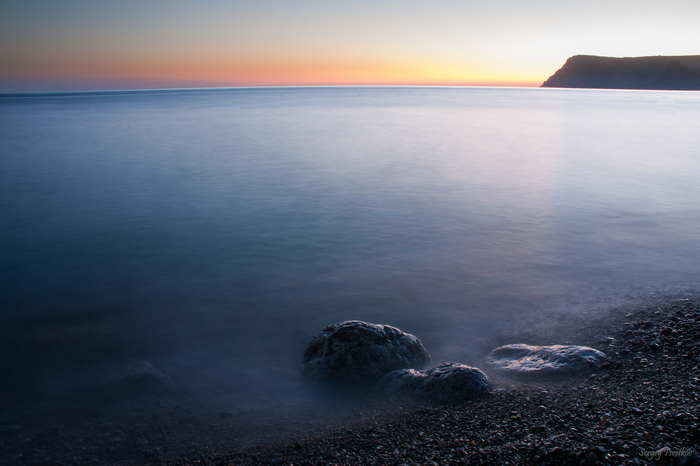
104	44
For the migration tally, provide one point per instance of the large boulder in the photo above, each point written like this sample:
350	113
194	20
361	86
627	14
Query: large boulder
545	362
360	352
446	383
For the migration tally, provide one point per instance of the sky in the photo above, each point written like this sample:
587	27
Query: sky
105	44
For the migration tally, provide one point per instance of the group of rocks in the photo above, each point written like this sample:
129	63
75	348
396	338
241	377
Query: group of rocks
643	409
356	352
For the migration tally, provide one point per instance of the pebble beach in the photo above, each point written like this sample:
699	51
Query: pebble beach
642	408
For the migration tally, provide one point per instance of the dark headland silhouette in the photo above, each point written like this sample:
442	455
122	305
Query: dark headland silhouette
661	72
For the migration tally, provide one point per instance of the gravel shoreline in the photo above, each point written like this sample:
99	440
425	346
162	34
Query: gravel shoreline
648	400
643	409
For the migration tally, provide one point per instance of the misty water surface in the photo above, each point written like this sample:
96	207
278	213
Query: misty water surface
213	232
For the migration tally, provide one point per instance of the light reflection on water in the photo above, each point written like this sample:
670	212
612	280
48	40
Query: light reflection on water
213	232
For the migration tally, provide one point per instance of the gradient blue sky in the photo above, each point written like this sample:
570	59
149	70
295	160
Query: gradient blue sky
81	44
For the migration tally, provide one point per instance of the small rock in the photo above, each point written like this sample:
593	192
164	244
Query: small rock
446	383
138	378
542	362
452	383
599	451
662	454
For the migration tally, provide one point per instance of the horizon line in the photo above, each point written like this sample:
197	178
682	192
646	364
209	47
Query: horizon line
264	86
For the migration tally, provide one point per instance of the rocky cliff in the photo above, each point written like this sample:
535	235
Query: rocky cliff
661	72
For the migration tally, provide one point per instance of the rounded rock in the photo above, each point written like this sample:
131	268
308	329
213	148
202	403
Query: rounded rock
360	352
137	380
453	383
446	383
545	362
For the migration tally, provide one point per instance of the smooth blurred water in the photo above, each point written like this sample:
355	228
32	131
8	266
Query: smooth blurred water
213	232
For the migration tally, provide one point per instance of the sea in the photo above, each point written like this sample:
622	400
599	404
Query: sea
213	232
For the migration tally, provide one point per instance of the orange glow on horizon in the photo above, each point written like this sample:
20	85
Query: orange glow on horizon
292	73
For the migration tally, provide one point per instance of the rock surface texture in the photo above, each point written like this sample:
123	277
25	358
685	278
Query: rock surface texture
545	362
446	383
360	352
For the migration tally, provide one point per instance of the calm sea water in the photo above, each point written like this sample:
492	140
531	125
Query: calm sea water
213	232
